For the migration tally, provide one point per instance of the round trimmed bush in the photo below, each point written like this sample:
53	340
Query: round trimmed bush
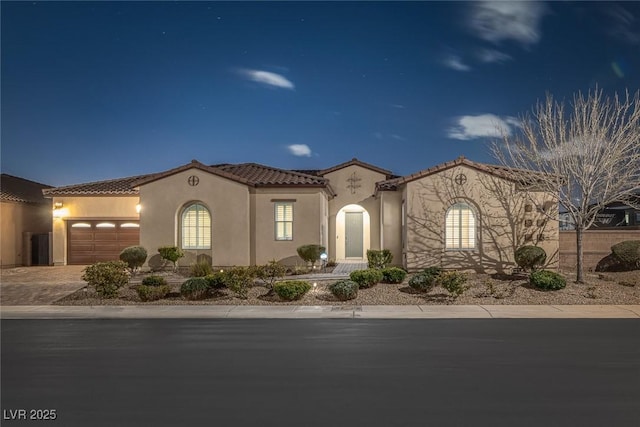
195	288
291	289
453	282
152	293
134	256
547	280
628	252
366	278
530	257
216	280
106	277
393	275
423	282
154	280
344	289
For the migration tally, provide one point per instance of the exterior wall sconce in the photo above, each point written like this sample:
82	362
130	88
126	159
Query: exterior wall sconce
59	211
138	208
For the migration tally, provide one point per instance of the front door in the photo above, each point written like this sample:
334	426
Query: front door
353	234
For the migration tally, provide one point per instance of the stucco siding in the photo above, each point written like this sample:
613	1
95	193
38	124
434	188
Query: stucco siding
391	223
16	219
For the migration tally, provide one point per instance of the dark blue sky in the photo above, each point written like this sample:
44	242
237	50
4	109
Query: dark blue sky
101	90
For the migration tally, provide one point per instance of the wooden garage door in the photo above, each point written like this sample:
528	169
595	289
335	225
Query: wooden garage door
103	240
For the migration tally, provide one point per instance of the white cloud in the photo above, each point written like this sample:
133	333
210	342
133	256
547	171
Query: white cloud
623	25
482	126
496	21
397	137
268	78
455	62
492	55
300	150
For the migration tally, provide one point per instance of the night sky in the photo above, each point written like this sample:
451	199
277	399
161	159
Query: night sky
102	90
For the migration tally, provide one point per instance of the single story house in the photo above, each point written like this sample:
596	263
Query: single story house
460	214
26	222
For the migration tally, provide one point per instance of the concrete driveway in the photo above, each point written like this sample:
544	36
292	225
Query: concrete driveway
39	285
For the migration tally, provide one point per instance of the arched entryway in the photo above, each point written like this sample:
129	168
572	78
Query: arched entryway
353	225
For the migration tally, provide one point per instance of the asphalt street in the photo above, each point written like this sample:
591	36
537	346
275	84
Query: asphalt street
320	372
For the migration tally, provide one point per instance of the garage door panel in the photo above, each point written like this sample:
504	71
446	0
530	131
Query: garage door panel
91	241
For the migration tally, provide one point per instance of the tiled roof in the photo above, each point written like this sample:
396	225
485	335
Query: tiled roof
501	171
112	187
356	162
15	189
261	175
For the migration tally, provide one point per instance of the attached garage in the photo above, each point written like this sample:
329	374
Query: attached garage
99	240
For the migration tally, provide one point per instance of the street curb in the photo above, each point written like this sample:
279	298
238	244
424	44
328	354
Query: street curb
323	312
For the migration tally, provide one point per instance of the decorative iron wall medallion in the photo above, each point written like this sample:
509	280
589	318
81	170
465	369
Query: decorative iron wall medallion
353	182
460	179
193	180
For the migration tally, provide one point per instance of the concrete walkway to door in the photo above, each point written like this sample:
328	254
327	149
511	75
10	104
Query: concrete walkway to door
346	267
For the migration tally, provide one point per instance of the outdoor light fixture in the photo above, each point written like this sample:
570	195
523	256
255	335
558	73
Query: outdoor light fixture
138	208
59	211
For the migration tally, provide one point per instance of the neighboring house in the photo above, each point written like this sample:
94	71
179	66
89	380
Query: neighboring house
612	216
26	222
460	214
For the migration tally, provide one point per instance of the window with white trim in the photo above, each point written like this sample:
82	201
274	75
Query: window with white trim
196	227
460	230
284	220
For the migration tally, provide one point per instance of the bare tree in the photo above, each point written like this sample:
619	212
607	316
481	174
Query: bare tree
589	154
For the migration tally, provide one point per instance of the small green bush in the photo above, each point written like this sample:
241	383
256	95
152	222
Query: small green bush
291	289
239	280
379	259
331	263
200	269
530	258
194	288
171	254
106	277
154	280
152	293
433	271
310	253
453	282
547	280
270	273
215	280
366	278
393	275
423	282
344	289
628	252
134	256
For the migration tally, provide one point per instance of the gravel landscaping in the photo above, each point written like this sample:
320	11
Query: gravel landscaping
601	288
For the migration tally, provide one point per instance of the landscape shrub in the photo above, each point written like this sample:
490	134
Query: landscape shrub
194	288
106	277
379	259
366	278
239	280
530	258
433	271
154	280
215	280
424	281
171	254
200	269
453	282
152	293
291	289
270	273
134	256
310	253
393	275
344	289
547	280
331	263
628	252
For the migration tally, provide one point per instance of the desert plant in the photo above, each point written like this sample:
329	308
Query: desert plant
453	282
152	293
530	258
547	280
379	259
270	272
239	280
291	289
134	256
344	289
310	253
154	280
366	278
106	277
424	281
628	253
216	280
393	275
171	254
194	288
200	269
433	271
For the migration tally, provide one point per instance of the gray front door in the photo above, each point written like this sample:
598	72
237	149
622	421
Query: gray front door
353	234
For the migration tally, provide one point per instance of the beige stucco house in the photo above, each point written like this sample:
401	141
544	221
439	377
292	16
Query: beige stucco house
460	214
25	222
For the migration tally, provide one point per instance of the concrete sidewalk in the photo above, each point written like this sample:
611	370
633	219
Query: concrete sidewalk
324	311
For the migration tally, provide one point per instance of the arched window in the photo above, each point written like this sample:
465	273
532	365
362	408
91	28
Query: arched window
196	227
460	230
